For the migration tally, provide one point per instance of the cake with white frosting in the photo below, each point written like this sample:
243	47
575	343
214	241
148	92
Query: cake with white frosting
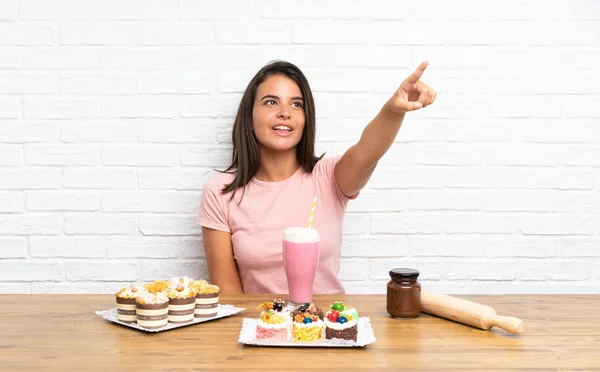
274	320
341	322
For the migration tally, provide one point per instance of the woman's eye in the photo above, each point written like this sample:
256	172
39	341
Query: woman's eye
270	102
297	104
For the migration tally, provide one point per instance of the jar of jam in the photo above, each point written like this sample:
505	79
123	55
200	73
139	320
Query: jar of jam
404	293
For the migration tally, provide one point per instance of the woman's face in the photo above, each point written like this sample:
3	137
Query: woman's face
278	114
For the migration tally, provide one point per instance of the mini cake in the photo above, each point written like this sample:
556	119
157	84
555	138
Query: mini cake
308	323
274	320
126	304
341	322
207	302
152	309
182	301
156	286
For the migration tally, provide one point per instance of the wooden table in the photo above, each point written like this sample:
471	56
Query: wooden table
62	333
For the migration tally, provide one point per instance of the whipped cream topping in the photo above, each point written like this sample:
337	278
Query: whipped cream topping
146	297
339	326
181	292
273	325
281	316
131	291
183	281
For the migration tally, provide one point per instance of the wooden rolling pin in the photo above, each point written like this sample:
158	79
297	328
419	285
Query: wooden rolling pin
468	312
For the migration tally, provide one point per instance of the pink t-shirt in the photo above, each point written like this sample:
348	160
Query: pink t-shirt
267	209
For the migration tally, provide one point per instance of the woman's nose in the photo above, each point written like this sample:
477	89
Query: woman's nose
283	113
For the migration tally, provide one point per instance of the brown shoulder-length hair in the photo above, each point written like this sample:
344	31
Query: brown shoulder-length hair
246	157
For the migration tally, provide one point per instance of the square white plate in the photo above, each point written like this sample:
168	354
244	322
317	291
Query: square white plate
365	336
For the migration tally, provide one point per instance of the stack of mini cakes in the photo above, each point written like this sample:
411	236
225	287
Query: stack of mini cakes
153	305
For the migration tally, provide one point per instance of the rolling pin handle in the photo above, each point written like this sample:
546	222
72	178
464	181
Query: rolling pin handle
508	323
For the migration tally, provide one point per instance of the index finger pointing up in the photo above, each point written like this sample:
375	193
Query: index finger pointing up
415	76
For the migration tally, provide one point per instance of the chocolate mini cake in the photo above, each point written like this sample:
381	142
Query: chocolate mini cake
207	302
341	322
347	332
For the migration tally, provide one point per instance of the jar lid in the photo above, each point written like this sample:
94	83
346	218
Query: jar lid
404	273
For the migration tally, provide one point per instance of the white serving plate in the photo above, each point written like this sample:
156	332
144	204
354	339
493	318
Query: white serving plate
224	311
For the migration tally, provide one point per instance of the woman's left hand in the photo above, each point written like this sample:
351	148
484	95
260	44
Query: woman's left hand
413	94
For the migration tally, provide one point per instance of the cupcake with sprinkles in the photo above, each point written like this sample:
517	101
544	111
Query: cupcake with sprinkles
341	322
274	320
307	325
182	300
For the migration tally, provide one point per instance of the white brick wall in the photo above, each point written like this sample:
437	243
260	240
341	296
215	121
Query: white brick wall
113	114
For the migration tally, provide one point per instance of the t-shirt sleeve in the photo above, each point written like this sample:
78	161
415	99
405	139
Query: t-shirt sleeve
213	212
325	171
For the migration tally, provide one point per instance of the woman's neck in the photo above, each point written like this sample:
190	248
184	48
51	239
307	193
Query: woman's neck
277	166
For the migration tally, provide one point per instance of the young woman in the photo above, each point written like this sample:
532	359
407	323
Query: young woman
274	176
